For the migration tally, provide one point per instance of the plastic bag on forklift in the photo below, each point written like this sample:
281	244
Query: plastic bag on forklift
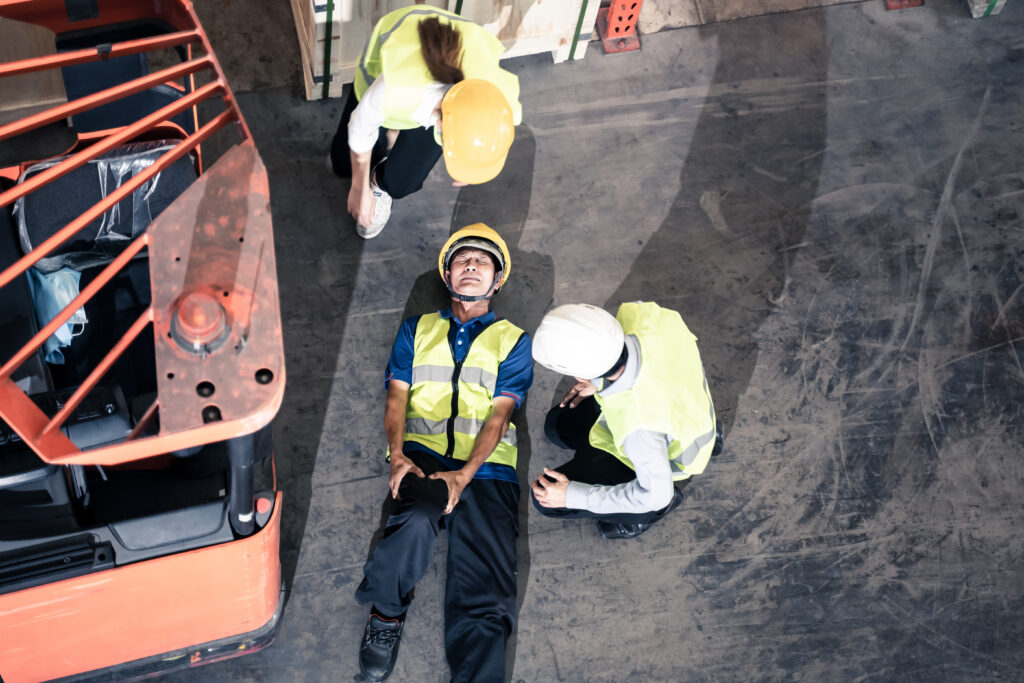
42	213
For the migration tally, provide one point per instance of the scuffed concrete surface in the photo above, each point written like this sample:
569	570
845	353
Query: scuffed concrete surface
659	15
832	199
255	43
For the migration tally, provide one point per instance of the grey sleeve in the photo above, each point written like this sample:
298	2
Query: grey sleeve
651	490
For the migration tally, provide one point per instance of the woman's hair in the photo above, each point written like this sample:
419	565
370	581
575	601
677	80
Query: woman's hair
441	45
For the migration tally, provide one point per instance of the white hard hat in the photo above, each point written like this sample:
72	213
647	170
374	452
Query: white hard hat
579	340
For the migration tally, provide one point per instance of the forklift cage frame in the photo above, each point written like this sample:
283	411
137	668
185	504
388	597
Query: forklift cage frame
215	322
217	262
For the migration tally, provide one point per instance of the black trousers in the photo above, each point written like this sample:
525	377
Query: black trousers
480	589
405	167
570	428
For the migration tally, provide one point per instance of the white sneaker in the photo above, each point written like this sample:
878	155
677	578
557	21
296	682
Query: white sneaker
381	214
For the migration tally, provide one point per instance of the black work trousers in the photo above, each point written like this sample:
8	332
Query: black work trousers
480	589
570	428
400	171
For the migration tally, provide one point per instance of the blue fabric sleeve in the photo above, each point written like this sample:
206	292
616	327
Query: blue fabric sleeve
400	363
515	374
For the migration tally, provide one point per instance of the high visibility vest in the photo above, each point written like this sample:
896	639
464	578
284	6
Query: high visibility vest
670	395
449	402
394	50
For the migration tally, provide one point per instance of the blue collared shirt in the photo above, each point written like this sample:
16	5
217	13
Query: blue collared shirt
515	374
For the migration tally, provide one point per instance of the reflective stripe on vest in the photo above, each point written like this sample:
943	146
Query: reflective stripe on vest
440	373
439	384
420	425
394	50
670	395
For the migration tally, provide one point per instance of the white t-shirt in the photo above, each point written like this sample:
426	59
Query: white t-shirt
368	116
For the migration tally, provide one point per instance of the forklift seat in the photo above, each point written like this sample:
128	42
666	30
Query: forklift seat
53	206
91	77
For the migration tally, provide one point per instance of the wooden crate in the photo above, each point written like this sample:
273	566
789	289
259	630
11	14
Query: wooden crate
350	25
21	95
525	27
528	27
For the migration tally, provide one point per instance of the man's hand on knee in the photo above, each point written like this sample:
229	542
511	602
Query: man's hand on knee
400	466
456	481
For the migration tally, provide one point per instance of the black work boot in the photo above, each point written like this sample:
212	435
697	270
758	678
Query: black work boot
613	531
379	648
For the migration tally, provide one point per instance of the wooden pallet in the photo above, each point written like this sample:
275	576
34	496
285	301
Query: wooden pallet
524	26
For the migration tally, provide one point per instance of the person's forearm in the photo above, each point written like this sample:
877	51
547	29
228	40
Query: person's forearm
650	490
360	169
394	420
486	441
629	498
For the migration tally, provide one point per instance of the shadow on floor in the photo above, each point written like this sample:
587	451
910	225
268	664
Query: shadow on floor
318	256
745	194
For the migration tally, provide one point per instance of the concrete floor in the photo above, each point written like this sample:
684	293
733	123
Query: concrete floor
833	200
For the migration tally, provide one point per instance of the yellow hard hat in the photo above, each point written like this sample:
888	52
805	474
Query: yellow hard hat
477	236
476	130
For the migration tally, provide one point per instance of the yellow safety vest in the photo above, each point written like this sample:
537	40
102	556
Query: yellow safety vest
670	394
394	50
439	384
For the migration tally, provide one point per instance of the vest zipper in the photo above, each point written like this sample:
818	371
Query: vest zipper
450	428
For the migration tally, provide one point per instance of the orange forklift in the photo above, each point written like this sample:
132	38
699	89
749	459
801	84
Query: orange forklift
141	358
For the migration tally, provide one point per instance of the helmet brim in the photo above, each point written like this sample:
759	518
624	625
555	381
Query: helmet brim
476	243
471	173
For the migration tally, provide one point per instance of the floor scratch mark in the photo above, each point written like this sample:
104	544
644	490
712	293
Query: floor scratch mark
1005	306
944	205
903	614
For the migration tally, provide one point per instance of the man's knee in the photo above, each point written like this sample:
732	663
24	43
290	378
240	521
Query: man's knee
551	427
570	427
421	503
424	512
419	512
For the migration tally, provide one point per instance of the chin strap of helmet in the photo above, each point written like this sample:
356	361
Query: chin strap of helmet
480	297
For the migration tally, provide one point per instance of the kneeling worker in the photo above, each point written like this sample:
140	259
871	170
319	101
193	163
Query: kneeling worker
453	380
639	417
427	85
